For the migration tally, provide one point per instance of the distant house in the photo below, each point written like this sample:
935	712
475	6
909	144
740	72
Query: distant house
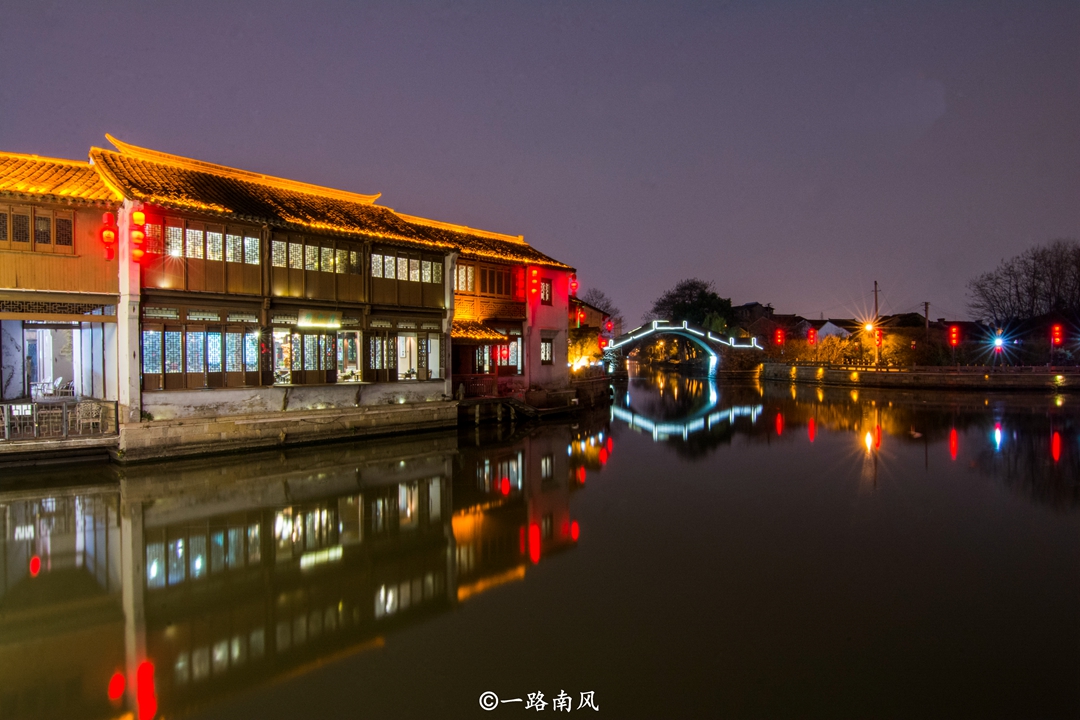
745	315
827	328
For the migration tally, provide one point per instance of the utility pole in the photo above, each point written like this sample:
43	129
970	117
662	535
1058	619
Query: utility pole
877	350
926	309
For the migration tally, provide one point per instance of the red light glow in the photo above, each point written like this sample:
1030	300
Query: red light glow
878	335
811	336
581	475
603	456
116	686
35	566
1056	335
954	443
1055	446
575	531
534	543
610	445
505	486
779	423
877	437
145	694
954	335
811	429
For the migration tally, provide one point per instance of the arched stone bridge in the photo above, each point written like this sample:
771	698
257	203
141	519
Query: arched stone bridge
704	339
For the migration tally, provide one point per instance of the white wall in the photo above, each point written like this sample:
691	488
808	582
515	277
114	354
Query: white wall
544	322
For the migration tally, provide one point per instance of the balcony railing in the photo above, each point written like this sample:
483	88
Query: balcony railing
477	385
58	419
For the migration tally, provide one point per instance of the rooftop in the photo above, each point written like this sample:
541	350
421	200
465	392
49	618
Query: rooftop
184	184
34	177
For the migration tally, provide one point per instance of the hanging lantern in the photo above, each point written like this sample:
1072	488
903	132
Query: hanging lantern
108	234
137	233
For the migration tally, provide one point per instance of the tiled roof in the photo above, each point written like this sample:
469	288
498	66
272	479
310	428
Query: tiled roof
31	176
180	183
472	330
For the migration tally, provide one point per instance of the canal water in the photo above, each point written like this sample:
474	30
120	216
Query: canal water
696	550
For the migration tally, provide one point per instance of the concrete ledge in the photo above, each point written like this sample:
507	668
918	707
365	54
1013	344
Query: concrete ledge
46	452
160	439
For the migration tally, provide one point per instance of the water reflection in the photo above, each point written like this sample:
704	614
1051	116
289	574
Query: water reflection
1029	442
187	581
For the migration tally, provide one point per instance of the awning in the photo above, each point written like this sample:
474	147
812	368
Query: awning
471	330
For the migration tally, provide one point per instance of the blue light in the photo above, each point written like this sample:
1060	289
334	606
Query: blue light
999	341
997	438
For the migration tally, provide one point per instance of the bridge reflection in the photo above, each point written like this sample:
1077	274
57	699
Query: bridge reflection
219	575
1029	442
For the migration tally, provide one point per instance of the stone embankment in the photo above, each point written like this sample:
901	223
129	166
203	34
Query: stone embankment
1061	379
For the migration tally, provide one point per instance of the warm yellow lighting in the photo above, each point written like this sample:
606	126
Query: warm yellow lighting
464	592
869	440
1059	401
855	377
138	217
855	396
868	327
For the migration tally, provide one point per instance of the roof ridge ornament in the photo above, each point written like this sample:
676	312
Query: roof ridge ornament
179	161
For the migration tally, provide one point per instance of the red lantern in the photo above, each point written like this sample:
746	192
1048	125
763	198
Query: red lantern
137	233
108	234
603	343
1057	337
811	336
609	326
573	285
954	335
877	336
535	284
779	336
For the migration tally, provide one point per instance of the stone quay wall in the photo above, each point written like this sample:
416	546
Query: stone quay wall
179	437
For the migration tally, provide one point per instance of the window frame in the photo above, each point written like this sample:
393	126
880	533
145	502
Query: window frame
550	344
35	214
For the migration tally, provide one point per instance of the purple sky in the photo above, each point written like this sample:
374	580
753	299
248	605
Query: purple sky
791	152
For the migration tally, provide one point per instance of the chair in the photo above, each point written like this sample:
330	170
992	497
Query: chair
67	390
87	413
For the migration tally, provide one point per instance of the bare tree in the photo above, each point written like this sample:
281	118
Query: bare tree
599	300
1042	280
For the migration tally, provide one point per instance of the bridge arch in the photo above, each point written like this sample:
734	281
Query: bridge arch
704	339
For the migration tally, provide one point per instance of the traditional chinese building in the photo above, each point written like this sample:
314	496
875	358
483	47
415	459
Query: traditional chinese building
58	293
510	316
217	292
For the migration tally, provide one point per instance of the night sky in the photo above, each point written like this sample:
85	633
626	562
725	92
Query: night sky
791	152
